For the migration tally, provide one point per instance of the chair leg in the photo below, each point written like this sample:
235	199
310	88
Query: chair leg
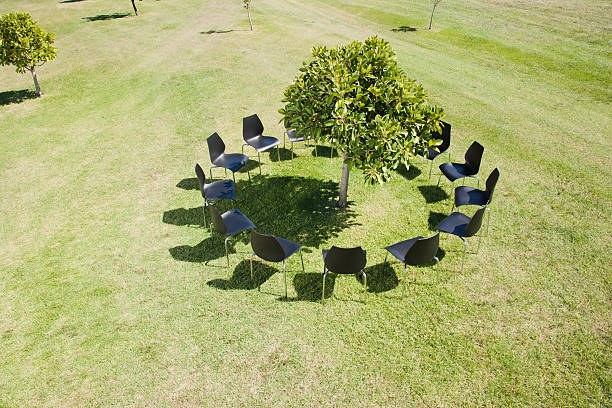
233	176
430	166
316	149
205	207
226	253
365	283
438	183
285	274
323	293
278	151
251	262
488	221
386	257
259	160
464	251
404	287
292	150
302	258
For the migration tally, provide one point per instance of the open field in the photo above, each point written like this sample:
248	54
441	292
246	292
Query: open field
112	292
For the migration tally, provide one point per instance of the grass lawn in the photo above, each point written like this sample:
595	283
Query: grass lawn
113	293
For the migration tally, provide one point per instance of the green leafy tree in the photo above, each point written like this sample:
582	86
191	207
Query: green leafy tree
247	6
24	44
356	98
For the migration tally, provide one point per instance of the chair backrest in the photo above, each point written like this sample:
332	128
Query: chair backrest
216	147
475	223
445	136
251	127
423	250
491	183
266	247
345	260
473	156
201	177
217	221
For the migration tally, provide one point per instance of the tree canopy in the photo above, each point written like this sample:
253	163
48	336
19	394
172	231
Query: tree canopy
359	100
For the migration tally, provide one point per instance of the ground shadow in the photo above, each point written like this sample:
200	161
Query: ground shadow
310	285
241	277
281	154
409	173
381	278
325	151
403	29
10	97
216	31
103	17
189	184
433	194
434	219
301	209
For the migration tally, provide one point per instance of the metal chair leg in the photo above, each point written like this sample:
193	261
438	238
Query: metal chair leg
251	262
365	282
285	273
386	257
438	183
205	207
323	293
430	166
404	288
488	221
259	160
226	253
278	151
302	258
463	257
233	176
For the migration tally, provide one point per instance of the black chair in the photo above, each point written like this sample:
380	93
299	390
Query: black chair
217	190
252	133
454	171
432	152
292	134
218	157
465	195
415	251
229	223
347	261
463	226
273	249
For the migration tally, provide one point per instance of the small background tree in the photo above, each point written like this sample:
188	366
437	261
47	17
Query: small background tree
435	3
24	44
247	6
358	99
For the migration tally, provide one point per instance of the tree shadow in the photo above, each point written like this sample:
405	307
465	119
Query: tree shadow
103	17
241	277
301	209
409	173
381	278
433	194
325	151
10	97
434	219
403	29
216	31
282	154
310	285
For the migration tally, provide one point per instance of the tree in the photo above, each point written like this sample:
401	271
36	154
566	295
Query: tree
435	3
356	98
24	44
247	6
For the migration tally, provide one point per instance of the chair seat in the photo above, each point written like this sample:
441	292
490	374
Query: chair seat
400	249
454	171
235	221
289	247
454	224
324	252
465	195
231	161
262	143
294	137
220	189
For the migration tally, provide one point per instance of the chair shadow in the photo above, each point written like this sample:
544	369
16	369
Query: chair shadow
216	31
70	1
381	278
434	219
10	97
433	194
325	151
248	167
241	277
189	184
301	209
281	154
409	173
403	29
309	286
103	17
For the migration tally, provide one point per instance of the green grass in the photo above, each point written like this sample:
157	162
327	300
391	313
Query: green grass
112	293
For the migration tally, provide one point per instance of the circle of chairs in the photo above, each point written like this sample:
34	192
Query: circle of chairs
411	252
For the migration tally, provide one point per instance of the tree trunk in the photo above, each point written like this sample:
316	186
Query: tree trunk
342	200
33	71
249	13
432	12
134	5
